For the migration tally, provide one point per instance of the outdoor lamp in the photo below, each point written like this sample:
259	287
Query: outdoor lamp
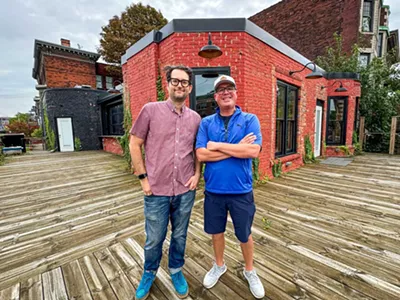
313	75
210	50
339	89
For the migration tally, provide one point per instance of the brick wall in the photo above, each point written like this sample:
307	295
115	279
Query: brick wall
256	68
62	72
308	25
110	144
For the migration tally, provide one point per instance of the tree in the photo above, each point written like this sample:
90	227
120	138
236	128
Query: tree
22	123
122	32
336	60
380	89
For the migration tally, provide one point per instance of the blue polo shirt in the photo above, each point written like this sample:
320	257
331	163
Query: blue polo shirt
232	175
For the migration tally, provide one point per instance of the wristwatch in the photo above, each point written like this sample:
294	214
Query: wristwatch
142	176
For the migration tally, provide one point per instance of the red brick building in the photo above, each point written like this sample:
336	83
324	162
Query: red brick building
61	66
285	104
73	96
308	25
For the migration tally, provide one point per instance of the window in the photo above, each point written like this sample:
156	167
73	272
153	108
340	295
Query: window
113	119
336	127
99	82
380	44
367	19
364	59
202	95
286	119
109	82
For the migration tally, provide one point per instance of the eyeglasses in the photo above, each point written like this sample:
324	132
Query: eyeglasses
228	89
183	82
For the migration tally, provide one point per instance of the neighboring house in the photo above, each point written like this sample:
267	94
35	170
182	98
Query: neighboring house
70	83
308	26
4	121
289	106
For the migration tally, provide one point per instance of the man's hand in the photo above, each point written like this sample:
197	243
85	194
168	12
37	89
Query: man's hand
248	139
193	182
146	187
212	146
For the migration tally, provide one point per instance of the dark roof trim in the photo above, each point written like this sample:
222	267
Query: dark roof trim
214	25
109	98
39	45
342	75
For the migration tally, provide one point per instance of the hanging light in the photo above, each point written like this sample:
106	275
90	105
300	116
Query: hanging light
313	75
210	50
341	88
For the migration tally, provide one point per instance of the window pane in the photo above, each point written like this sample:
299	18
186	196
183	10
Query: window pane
99	83
336	121
336	110
280	110
367	16
205	103
278	137
292	105
335	132
290	136
109	83
116	118
380	42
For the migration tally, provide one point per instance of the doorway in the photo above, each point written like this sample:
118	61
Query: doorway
65	134
318	130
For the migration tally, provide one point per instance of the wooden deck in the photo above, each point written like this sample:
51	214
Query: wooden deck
71	227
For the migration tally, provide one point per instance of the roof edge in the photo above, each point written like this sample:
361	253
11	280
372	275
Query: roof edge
214	25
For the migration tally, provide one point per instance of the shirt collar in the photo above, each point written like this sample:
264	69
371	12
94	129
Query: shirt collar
237	111
171	106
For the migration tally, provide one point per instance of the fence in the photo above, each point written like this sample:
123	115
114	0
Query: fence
381	141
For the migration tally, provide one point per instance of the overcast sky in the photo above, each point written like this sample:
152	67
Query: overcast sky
23	21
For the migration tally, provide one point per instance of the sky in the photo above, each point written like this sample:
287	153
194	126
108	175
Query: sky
80	21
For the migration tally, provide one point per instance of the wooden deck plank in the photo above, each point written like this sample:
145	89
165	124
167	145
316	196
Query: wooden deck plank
53	285
114	274
132	269
97	283
31	289
11	293
75	281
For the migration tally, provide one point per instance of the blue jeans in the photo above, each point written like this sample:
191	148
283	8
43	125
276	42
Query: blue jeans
158	210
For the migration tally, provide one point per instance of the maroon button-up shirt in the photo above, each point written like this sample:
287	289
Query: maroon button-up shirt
169	145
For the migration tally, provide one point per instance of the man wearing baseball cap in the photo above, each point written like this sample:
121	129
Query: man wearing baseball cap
227	141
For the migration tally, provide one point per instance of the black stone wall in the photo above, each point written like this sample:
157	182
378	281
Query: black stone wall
80	104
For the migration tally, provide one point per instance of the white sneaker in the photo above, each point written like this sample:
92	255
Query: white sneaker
256	287
213	275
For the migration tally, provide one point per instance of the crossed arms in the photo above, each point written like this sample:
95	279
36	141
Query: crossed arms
217	151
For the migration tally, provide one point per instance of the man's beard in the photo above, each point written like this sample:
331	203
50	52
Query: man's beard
179	98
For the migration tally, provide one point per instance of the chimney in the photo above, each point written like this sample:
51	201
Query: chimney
65	42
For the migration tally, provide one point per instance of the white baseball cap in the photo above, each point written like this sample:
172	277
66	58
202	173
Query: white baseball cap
224	79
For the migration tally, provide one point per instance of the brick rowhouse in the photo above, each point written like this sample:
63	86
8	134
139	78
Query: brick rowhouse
256	60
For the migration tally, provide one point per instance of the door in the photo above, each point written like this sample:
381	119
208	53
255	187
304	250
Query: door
65	136
318	131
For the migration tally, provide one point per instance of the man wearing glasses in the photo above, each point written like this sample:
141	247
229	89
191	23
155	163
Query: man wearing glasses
228	141
169	176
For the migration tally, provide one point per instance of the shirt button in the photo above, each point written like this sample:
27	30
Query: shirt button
175	167
176	154
177	129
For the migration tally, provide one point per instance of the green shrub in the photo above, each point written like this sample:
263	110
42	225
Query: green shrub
277	168
37	133
308	151
77	144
